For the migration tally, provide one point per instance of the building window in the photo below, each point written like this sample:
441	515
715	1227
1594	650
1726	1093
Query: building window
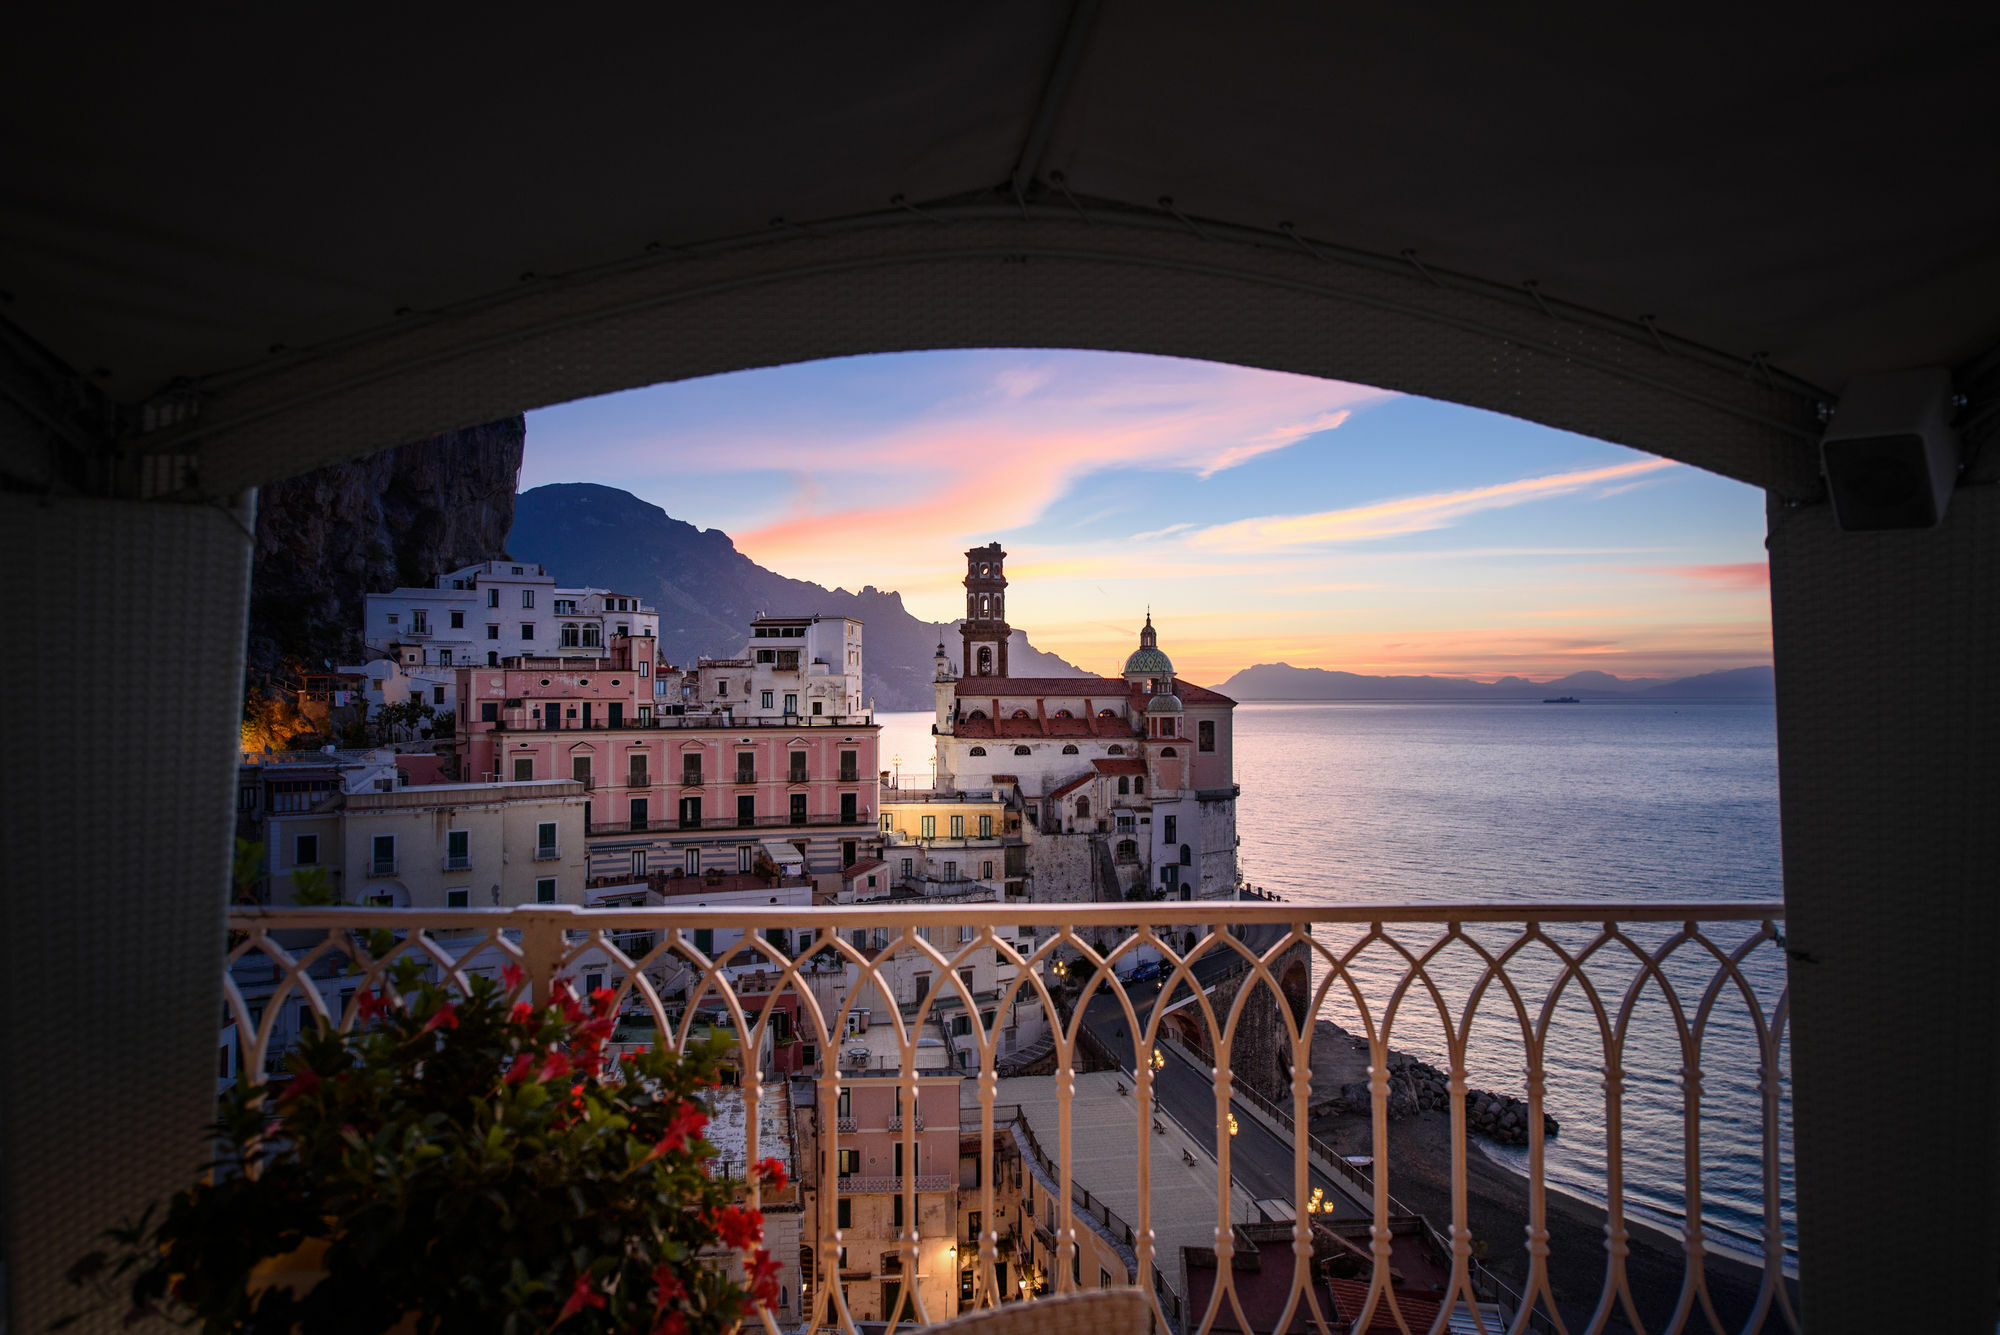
545	839
305	850
1124	785
383	861
791	702
1070	750
638	864
592	636
909	868
637	809
986	827
1022	751
798	808
690	813
985	874
691	864
746	858
458	621
958	827
746	810
843	1210
492	630
527	630
524	768
1168	753
1138	784
493	597
928	825
527	597
1172	834
764	700
721	686
798	774
545	890
691	769
1115	750
1082	807
437	692
569	635
458	850
951	871
458	899
977	751
1204	732
850	1163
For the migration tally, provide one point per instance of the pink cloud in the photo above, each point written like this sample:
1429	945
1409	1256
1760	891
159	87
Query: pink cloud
1741	577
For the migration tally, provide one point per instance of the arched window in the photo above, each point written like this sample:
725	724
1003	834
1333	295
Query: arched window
1019	713
1169	751
986	604
492	658
1082	807
1124	785
1187	942
1022	751
977	751
977	713
1138	784
1064	713
1107	713
1116	750
1069	750
985	660
1187	856
569	635
591	635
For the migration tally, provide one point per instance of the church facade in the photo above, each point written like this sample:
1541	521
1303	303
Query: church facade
1127	784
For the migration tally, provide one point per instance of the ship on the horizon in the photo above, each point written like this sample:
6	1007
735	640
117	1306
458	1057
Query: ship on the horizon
1562	700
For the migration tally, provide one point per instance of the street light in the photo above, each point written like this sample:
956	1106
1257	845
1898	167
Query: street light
1159	1060
1232	1124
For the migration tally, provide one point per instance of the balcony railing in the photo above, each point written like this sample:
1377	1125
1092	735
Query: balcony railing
456	862
382	866
859	819
1657	1032
547	853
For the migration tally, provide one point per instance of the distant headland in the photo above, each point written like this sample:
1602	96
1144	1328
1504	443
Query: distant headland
1282	681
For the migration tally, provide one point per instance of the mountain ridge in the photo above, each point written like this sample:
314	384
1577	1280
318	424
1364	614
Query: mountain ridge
1282	681
707	591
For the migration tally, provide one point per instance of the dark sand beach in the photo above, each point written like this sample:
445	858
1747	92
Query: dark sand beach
1497	1209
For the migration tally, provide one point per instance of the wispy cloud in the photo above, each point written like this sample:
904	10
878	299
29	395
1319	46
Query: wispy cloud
1409	514
1275	439
1741	576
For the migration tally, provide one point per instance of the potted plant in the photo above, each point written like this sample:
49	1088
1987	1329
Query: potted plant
455	1164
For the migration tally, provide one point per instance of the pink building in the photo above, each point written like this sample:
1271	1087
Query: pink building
675	790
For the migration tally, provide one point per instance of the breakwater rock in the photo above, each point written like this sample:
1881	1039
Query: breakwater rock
1417	1086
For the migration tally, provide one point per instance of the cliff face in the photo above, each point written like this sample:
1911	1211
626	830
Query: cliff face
327	538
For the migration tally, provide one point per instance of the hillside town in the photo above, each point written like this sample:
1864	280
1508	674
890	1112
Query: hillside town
551	756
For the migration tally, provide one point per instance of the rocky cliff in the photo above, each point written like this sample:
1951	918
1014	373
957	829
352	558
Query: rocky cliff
327	538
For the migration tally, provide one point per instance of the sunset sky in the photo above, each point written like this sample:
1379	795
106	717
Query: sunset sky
1265	517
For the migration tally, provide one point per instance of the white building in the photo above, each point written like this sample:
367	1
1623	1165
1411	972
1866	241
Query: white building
484	613
802	668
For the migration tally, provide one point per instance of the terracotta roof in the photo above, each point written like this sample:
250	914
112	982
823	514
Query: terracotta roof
1072	785
865	865
1192	694
1349	1295
1015	688
1120	765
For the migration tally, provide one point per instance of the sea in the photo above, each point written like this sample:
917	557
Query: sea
1425	803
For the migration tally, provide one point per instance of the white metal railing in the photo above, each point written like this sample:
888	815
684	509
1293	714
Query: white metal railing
1575	1005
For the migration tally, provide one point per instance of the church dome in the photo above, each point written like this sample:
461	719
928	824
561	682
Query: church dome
1147	660
1164	704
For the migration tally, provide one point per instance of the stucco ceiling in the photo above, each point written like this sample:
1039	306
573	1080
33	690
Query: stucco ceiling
186	192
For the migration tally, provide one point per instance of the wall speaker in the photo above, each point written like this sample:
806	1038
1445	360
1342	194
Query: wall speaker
1890	455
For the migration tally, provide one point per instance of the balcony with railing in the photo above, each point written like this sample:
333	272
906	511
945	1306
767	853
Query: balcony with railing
1179	1132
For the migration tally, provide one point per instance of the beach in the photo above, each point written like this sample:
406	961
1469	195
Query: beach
1497	1211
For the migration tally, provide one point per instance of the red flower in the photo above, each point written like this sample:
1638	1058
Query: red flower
763	1279
519	1071
689	1120
600	1001
521	1014
565	997
582	1296
370	1004
513	977
445	1017
771	1172
634	1054
304	1083
738	1227
667	1287
557	1066
673	1323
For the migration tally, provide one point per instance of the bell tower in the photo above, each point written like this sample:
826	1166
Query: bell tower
985	627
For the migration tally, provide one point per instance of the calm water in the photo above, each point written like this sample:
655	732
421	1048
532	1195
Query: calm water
1391	803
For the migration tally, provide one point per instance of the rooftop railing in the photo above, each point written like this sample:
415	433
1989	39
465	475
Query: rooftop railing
1658	1030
